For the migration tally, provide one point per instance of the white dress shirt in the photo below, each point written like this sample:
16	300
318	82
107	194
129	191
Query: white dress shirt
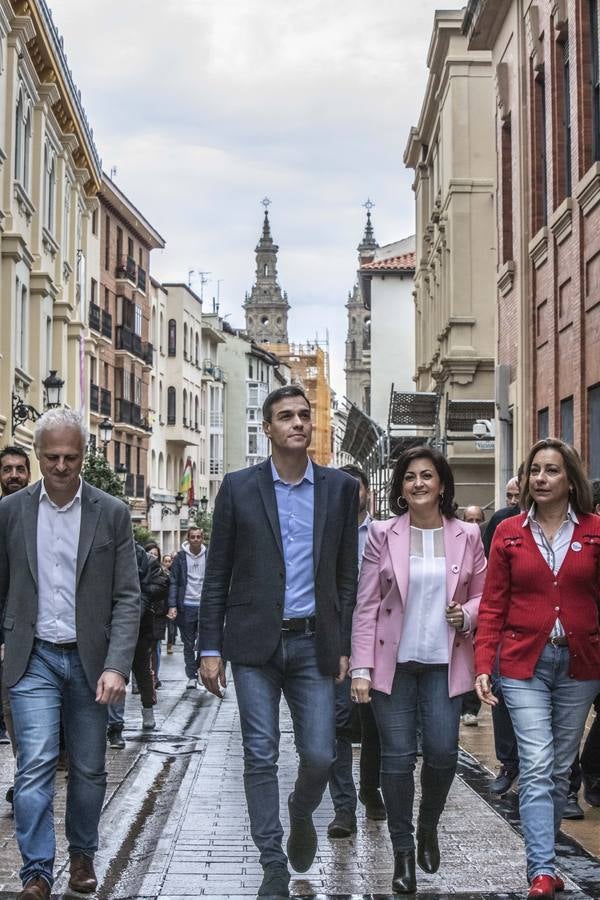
58	530
424	636
553	552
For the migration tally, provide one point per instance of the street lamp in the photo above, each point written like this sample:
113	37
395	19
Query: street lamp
22	411
204	503
121	473
106	429
178	502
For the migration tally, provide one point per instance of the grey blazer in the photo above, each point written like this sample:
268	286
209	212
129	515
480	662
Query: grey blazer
107	601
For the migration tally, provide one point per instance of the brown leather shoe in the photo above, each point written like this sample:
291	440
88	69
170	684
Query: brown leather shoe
82	875
35	889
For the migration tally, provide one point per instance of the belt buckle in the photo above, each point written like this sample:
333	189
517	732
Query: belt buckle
555	639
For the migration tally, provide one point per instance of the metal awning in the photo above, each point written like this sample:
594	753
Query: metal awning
362	434
413	410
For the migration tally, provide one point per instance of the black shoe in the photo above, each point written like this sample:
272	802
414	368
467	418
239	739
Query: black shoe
374	805
591	789
428	851
4	738
573	809
10	794
503	780
275	881
115	739
343	825
404	880
302	842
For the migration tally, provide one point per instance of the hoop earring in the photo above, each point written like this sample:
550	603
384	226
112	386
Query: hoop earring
441	499
402	504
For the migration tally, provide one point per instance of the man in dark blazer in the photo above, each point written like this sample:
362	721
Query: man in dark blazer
277	602
70	607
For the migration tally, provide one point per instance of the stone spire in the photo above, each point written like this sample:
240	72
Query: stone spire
266	307
368	245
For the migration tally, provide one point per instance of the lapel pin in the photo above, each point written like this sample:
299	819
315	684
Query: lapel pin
455	569
576	546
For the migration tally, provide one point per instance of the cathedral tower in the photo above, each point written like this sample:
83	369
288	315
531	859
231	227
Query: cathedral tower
358	339
266	307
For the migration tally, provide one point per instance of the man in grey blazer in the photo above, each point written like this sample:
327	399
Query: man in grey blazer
70	606
277	602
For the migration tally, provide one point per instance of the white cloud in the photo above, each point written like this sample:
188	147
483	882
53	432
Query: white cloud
205	106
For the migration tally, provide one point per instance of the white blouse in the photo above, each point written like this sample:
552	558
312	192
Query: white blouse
425	630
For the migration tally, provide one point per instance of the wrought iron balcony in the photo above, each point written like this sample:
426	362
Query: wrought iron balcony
140	485
126	339
106	327
128	412
126	268
94	317
105	402
141	279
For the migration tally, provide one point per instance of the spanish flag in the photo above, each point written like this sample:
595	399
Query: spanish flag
187	482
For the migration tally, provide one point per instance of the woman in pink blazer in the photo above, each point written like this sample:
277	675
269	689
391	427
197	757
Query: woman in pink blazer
412	647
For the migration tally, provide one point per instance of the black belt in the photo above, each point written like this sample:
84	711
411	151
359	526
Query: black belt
72	645
560	641
307	624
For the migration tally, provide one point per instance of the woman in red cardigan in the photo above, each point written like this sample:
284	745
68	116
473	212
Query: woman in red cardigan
539	616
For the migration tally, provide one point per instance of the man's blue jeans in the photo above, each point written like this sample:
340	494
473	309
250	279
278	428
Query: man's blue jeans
548	713
420	690
55	680
293	671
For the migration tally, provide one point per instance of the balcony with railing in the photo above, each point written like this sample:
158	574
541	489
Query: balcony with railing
105	402
94	317
106	324
126	269
216	419
129	485
129	413
148	353
94	398
140	485
141	279
126	339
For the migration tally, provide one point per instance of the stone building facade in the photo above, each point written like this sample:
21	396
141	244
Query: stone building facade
123	357
546	58
452	152
50	220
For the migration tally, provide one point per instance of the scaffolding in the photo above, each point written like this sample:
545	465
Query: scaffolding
309	366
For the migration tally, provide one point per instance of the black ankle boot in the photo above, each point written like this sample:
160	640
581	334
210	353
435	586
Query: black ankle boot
405	879
428	851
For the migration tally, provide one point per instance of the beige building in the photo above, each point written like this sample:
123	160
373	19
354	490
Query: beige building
49	225
452	151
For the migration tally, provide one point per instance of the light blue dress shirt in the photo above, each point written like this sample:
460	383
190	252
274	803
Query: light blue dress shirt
296	509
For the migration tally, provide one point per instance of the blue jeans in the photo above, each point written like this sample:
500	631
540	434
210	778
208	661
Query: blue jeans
187	619
421	689
293	671
548	712
55	681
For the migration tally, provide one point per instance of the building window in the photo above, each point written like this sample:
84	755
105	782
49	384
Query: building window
22	138
94	292
566	420
172	338
171	406
252	440
107	244
540	183
543	424
185	407
49	187
185	340
595	78
506	182
566	119
95	222
137	324
594	430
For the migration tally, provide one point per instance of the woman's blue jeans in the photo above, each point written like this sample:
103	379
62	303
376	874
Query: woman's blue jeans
55	680
548	713
418	691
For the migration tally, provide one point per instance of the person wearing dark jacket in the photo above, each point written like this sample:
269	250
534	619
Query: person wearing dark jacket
159	597
141	666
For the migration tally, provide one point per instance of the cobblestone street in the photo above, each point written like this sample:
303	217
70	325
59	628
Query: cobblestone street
175	822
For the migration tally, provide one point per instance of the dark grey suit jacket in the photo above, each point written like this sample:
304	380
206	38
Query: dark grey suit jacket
107	601
244	585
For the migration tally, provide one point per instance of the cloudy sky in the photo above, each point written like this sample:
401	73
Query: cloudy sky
206	106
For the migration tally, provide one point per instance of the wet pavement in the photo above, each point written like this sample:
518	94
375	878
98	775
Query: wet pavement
175	823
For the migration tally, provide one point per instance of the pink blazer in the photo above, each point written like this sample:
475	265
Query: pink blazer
382	590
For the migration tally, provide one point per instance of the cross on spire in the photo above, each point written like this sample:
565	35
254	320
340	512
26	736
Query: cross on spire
266	203
369	205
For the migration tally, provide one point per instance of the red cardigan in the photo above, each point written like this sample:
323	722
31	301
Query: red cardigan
522	599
